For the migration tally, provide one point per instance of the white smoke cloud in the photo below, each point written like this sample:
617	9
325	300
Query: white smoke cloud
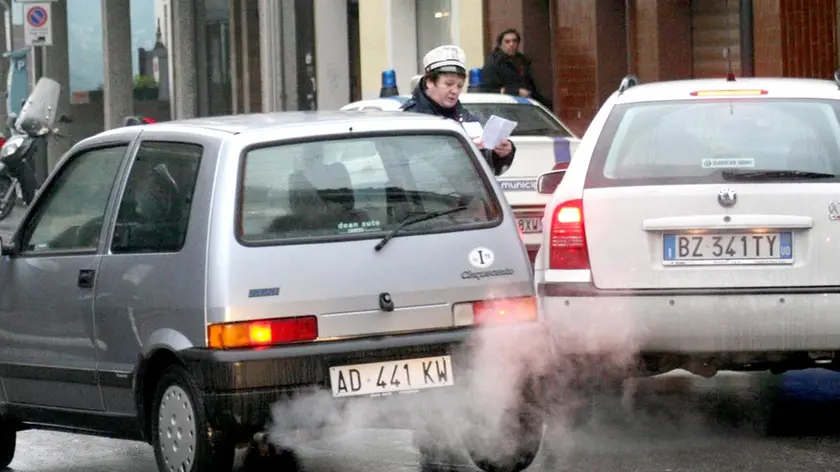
480	414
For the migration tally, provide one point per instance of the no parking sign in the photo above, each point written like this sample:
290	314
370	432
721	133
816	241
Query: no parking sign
37	24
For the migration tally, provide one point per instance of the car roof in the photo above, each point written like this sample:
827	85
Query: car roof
775	87
260	122
465	98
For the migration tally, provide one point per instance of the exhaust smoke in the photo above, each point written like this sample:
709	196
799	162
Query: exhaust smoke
511	378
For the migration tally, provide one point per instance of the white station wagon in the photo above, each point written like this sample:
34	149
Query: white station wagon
700	223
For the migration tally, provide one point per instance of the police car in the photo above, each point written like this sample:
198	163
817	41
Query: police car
543	143
700	222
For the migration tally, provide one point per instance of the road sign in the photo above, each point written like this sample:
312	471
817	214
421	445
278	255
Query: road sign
37	24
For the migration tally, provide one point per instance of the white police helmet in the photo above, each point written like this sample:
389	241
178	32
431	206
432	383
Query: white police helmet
447	58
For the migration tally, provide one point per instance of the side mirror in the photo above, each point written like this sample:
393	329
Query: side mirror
548	182
64	119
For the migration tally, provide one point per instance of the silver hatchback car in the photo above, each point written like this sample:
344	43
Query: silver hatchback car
172	282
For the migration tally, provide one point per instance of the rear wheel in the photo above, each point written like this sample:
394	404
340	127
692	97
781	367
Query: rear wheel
8	442
437	452
7	204
182	437
511	447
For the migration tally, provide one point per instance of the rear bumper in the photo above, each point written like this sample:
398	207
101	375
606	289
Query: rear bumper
240	388
693	321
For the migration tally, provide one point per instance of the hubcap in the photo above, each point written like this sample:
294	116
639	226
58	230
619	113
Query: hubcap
176	430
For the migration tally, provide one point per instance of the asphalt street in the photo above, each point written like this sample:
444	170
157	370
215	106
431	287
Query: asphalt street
680	423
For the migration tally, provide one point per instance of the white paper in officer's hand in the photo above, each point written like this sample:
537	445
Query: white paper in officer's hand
473	129
496	130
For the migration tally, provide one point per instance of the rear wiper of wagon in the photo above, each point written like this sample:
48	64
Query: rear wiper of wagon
732	174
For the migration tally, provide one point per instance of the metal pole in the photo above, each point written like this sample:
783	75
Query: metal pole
38	63
7	19
270	55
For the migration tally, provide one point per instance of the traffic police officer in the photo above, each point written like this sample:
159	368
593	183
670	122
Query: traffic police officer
437	93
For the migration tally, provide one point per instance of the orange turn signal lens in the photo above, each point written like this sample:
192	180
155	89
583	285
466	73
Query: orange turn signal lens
726	93
259	333
505	310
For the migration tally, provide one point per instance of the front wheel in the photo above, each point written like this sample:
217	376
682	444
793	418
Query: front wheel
182	437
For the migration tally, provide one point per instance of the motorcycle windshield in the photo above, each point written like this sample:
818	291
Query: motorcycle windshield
39	112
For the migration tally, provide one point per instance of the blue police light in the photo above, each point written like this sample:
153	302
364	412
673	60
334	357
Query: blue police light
389	78
475	80
389	84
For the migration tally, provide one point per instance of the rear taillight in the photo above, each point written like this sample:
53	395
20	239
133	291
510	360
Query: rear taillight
567	246
2	141
560	166
259	333
505	310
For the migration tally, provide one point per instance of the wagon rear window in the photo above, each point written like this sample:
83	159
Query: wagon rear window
362	186
717	141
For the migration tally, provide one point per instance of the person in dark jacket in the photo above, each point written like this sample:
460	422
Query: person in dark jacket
508	71
437	93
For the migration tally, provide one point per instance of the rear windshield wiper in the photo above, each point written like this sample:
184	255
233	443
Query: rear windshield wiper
732	174
415	219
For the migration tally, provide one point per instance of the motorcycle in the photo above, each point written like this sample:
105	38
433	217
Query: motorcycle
29	133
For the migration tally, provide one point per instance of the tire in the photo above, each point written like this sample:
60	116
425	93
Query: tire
513	447
8	443
6	206
434	457
197	446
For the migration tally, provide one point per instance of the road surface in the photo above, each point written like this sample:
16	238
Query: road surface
683	424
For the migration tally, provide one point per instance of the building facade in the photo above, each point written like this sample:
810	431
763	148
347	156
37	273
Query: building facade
592	44
396	34
247	56
264	55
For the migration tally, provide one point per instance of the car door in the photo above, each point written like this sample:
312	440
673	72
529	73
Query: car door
47	340
151	282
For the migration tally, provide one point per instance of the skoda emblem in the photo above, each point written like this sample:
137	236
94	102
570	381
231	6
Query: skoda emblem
727	197
834	211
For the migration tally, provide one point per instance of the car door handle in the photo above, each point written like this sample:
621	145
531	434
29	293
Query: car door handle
86	278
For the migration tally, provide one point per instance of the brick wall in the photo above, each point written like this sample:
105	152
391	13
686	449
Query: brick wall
661	39
795	38
592	47
589	57
809	33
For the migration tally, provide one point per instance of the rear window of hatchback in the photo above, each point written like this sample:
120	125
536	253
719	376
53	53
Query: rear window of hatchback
361	187
708	140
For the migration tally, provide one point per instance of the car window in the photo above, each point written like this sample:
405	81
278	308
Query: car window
155	207
695	141
531	120
72	211
369	184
